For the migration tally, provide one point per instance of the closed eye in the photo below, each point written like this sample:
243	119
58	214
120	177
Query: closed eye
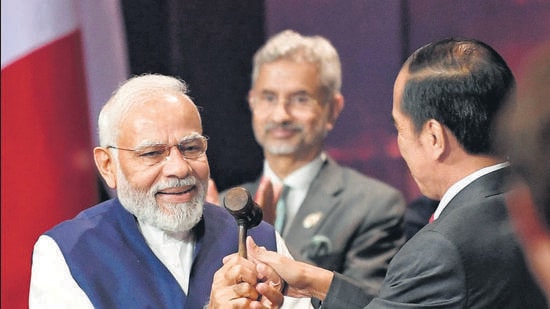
151	152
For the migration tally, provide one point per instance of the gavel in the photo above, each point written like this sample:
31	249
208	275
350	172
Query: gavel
248	214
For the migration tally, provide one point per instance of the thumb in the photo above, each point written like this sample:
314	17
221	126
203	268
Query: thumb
259	254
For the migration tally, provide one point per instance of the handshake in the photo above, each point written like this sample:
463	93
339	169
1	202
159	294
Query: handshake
257	278
263	279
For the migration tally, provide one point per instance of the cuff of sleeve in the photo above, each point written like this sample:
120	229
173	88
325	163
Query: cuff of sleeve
345	293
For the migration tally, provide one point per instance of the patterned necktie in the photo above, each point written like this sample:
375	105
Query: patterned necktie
280	215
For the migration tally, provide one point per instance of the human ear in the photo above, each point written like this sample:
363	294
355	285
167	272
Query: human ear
436	137
336	107
105	165
249	99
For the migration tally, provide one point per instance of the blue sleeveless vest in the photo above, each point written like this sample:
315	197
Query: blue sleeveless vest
111	262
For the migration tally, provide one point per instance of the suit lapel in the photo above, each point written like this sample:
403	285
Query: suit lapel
318	203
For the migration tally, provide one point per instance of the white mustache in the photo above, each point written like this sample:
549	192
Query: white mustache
285	126
174	183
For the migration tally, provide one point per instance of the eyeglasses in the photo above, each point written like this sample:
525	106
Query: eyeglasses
191	148
295	103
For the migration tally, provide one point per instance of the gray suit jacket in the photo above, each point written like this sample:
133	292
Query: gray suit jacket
467	258
359	227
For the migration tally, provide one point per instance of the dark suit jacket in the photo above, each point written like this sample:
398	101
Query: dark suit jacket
359	228
418	214
467	258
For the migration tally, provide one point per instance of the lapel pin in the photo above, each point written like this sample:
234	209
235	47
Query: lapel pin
312	219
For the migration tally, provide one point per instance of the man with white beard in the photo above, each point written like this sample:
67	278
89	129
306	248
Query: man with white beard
158	244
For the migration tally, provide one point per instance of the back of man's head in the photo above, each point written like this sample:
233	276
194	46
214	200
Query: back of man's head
461	83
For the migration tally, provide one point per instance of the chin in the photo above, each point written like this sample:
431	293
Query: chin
180	217
281	149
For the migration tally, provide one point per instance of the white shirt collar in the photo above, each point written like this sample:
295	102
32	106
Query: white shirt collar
300	178
298	182
174	250
462	183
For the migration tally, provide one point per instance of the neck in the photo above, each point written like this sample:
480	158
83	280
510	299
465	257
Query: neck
466	166
284	165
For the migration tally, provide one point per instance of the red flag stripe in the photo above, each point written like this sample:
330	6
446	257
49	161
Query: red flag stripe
47	171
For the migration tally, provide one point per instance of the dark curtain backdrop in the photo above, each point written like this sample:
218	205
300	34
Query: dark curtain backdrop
210	45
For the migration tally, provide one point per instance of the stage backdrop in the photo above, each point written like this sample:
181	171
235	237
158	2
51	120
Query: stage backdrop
48	77
210	44
375	37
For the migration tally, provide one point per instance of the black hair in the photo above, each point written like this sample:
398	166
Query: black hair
461	83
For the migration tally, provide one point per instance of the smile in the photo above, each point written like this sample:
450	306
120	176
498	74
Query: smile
175	191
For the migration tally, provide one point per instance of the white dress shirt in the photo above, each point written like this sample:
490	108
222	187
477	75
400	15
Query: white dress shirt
461	184
52	285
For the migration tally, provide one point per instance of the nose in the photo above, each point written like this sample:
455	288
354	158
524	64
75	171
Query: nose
176	165
280	111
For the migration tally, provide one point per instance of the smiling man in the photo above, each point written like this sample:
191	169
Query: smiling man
158	244
329	215
445	100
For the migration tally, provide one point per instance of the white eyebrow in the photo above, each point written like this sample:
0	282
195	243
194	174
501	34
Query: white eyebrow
149	143
191	136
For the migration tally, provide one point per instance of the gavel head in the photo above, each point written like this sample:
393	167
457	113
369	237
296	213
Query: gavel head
242	207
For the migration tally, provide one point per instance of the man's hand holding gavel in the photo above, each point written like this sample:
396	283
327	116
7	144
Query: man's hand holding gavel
241	283
246	212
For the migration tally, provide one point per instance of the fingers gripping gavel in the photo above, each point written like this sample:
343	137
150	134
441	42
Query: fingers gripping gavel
248	214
